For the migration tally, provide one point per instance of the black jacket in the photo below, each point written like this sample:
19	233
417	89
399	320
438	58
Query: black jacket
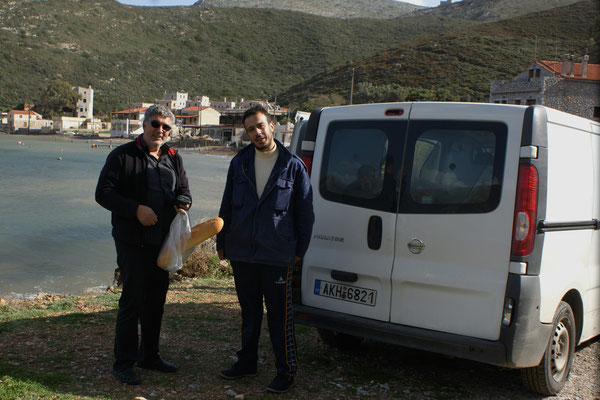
122	187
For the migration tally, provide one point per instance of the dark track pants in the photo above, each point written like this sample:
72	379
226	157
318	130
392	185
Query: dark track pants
252	283
143	298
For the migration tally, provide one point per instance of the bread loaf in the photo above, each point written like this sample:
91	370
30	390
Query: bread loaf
199	234
203	231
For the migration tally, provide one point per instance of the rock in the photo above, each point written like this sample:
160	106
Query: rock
2	302
239	397
140	398
231	393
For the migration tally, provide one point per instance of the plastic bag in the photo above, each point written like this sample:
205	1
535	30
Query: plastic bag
172	253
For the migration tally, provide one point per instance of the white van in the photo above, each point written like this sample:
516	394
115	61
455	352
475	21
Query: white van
464	229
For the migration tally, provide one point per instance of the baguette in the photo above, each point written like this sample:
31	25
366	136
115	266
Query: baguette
199	234
203	231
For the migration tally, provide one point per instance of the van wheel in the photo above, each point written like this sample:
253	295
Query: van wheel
552	373
340	340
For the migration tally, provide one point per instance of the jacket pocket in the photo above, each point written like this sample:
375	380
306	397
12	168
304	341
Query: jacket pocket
238	192
284	195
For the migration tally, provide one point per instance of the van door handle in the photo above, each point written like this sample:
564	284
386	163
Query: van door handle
374	232
344	276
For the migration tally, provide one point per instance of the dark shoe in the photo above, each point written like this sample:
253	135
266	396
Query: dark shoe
238	371
159	365
281	384
128	376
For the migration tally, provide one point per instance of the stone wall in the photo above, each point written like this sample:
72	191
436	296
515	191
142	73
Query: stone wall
573	96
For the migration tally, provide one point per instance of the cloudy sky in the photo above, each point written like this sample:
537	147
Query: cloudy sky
428	3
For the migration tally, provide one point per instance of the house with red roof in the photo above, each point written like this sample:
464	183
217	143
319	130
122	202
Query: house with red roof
199	121
128	123
198	116
565	85
26	121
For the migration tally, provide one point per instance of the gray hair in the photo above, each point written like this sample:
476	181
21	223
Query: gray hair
160	110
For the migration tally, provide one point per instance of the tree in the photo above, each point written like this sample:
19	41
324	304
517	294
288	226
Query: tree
58	98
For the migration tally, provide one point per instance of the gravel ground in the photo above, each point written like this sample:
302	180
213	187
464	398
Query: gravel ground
201	332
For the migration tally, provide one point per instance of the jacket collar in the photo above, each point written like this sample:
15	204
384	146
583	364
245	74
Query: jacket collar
164	149
247	158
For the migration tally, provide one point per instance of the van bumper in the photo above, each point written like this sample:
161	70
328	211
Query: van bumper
521	344
491	352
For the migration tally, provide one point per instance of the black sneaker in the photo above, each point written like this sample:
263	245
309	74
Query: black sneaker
281	384
127	375
238	371
159	365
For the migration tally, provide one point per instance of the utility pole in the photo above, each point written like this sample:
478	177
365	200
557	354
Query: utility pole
352	86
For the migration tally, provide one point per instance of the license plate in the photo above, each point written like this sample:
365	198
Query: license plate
349	293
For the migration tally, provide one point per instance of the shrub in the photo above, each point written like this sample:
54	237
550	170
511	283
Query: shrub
204	263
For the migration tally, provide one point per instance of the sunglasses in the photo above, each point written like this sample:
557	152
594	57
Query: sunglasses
155	124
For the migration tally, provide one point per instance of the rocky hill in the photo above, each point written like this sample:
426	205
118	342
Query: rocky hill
457	65
494	10
383	9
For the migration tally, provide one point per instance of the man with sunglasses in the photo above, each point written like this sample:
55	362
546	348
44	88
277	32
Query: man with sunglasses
144	185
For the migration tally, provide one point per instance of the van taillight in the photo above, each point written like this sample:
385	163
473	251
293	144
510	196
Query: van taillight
525	211
308	162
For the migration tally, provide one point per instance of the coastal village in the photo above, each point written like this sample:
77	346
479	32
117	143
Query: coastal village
566	85
210	121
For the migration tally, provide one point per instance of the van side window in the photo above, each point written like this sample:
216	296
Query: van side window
358	167
453	167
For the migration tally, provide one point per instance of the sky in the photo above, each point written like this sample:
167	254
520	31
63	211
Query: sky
428	3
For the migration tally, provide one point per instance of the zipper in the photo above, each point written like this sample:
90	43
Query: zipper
254	218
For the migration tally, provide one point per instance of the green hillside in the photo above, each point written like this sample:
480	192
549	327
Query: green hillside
457	65
131	53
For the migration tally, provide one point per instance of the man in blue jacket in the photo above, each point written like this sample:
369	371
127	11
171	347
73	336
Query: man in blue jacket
144	185
268	214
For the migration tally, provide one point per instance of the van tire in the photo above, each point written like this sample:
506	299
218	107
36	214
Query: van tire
552	373
341	341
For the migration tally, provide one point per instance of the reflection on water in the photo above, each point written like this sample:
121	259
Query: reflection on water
54	237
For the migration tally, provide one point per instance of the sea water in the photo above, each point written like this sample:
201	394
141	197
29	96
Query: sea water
54	237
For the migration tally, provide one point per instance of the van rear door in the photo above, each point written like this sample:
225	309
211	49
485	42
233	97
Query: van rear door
453	232
349	262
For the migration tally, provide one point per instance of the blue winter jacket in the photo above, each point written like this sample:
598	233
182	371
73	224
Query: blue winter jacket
277	227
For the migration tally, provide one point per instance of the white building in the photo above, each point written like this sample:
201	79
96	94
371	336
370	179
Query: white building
174	101
198	101
62	124
223	105
85	105
128	123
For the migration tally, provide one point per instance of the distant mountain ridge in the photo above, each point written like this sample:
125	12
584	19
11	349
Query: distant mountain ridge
379	9
493	10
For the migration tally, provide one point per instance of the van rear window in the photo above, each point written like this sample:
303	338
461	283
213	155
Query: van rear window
453	167
361	162
423	167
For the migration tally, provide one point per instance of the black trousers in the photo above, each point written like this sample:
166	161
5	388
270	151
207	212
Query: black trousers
142	300
252	283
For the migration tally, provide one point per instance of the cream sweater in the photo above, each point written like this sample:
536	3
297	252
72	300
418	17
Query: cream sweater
263	165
